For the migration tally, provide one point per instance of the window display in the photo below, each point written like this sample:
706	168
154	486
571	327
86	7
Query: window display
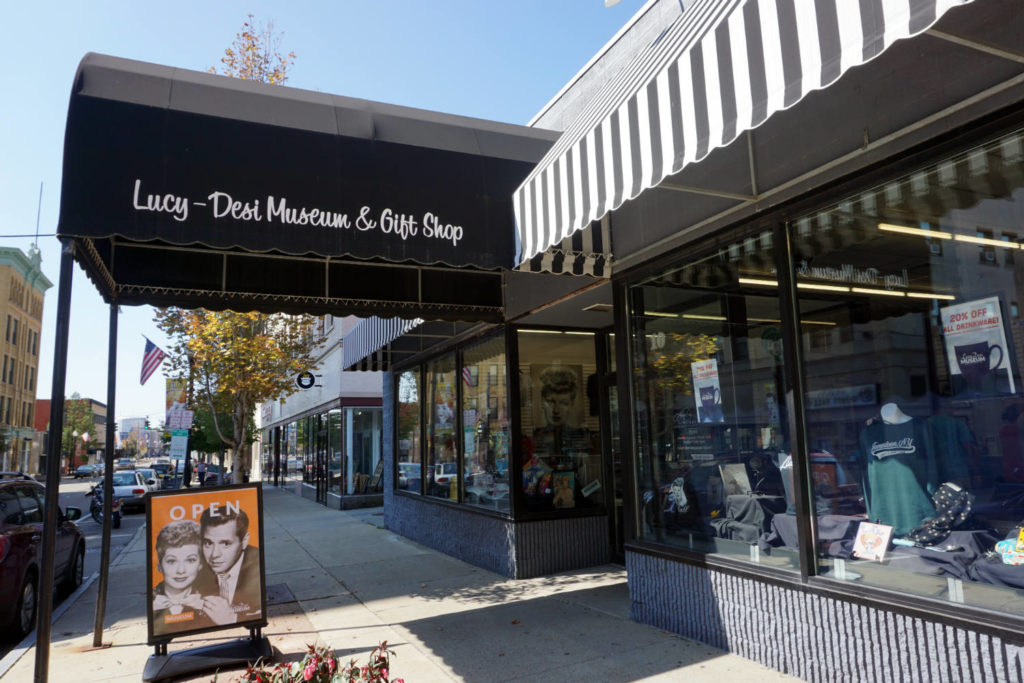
442	446
485	425
561	445
408	451
715	471
920	281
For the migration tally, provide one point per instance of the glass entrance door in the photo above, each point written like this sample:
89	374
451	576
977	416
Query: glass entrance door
321	457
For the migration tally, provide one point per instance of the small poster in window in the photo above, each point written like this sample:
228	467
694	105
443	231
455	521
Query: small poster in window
563	484
707	391
872	541
976	347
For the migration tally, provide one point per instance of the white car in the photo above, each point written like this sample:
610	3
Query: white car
131	487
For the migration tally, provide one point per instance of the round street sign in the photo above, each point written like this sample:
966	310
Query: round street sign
305	380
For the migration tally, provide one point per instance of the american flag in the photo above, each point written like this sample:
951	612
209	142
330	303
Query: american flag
151	360
467	375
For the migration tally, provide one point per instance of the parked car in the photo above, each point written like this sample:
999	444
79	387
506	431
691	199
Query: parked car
124	464
409	475
214	476
443	474
149	474
164	471
22	502
131	487
87	471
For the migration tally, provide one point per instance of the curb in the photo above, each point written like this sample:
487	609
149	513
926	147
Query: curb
25	645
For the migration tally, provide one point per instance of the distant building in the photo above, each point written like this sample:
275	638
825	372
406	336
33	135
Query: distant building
22	291
329	432
93	446
132	434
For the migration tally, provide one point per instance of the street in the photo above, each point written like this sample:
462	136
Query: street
74	493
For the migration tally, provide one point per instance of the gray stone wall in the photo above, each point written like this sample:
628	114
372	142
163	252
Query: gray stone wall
516	550
810	636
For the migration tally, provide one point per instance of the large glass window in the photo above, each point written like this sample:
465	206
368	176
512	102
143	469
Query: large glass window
442	439
335	464
363	427
408	451
713	466
915	409
560	420
485	427
305	442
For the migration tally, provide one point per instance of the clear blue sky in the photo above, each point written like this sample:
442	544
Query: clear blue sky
492	59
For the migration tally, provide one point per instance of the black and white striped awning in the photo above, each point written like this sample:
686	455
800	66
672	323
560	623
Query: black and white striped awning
367	346
721	68
585	252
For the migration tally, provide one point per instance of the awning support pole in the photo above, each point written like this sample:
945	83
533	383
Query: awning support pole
44	606
108	481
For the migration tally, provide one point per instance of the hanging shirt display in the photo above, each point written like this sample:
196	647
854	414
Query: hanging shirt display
900	473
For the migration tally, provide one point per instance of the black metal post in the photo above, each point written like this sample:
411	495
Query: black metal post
108	481
60	370
789	310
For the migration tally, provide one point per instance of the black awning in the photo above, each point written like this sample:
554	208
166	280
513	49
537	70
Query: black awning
209	191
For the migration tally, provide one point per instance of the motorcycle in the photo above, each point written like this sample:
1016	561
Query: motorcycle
96	507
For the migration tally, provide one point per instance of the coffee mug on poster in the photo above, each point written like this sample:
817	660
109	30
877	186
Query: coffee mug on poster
205	562
975	342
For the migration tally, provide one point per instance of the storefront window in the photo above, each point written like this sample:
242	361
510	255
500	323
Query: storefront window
335	464
363	426
915	409
560	421
306	437
442	443
294	463
714	470
408	451
485	425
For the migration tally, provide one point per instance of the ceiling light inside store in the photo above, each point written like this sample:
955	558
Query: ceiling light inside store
987	241
883	292
907	230
542	331
754	281
827	323
931	295
697	316
823	288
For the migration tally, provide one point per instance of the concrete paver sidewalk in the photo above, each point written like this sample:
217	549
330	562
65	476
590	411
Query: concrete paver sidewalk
356	584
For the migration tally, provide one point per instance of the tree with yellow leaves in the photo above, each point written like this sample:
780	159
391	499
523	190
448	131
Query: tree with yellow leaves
255	55
236	360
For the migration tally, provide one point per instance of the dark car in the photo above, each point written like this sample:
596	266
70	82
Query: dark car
87	471
21	547
213	476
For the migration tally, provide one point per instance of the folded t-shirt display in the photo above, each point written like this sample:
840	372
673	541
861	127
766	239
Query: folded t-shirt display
835	533
747	516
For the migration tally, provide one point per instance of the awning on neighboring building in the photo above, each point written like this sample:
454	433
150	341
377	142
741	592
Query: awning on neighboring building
367	345
721	68
377	343
192	189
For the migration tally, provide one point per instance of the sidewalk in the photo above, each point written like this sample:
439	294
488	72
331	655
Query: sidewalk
337	578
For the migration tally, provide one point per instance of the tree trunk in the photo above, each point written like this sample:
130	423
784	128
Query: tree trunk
240	422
